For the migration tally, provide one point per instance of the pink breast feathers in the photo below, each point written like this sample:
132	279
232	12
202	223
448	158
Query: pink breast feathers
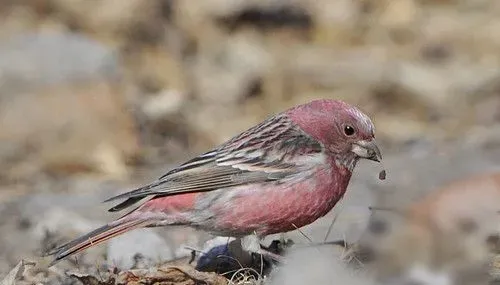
273	210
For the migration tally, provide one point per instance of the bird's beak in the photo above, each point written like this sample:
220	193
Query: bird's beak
367	149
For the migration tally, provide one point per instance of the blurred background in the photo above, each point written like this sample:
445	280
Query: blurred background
97	97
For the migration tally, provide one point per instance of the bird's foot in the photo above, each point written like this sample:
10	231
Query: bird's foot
252	244
273	256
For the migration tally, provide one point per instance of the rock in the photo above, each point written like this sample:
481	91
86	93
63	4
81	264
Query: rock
154	69
66	117
115	18
423	275
226	256
227	8
61	223
164	104
484	137
223	254
458	219
336	22
312	266
36	60
140	248
430	88
49	216
224	77
335	13
225	74
56	226
400	14
401	130
215	242
69	129
13	275
329	68
220	259
432	85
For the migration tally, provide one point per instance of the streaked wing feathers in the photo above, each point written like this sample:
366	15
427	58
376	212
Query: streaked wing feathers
263	153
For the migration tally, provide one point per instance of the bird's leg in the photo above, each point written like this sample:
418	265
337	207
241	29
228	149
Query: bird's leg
251	243
285	243
282	239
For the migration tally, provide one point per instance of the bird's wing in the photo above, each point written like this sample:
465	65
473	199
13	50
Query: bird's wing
264	153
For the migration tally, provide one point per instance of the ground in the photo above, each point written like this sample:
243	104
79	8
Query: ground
99	97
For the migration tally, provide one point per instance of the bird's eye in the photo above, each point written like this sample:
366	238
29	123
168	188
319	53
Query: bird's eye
349	130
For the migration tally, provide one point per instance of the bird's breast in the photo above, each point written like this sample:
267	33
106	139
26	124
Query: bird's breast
274	208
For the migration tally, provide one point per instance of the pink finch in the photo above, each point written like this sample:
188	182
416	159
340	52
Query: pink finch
277	176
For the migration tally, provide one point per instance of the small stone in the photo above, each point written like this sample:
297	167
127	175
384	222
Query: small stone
139	248
399	13
382	174
13	275
163	104
29	60
64	222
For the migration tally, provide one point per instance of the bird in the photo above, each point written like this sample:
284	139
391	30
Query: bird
277	176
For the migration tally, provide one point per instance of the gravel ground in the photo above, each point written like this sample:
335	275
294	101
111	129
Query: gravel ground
97	97
31	222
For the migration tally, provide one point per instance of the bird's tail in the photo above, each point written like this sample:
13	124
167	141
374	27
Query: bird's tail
97	236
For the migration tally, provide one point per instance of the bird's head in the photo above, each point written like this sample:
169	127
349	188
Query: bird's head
343	129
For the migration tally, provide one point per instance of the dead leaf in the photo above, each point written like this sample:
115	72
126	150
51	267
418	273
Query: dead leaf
14	274
87	279
181	275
